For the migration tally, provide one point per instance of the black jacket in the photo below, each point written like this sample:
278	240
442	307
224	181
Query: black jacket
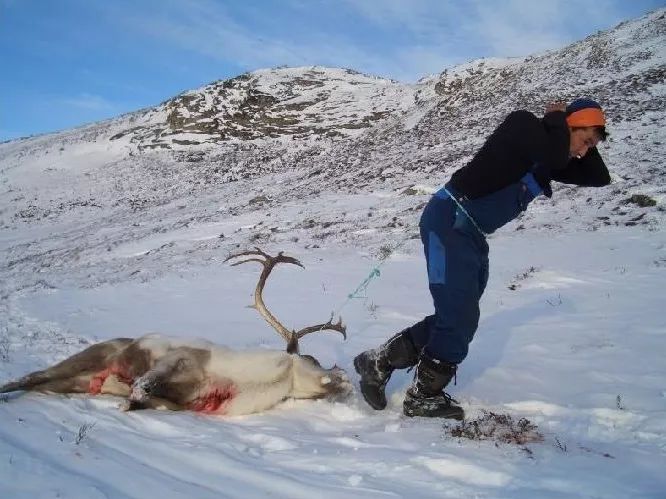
524	143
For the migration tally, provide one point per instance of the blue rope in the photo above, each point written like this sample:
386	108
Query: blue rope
360	291
461	208
364	285
374	273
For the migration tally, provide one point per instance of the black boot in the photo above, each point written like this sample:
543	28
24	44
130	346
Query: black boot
425	397
375	367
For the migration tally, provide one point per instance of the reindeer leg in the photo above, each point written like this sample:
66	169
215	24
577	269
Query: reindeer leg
65	376
75	384
115	386
172	380
149	385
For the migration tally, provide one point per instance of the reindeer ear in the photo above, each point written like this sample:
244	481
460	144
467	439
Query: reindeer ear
310	358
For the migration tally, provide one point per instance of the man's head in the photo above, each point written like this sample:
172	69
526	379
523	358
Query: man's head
587	126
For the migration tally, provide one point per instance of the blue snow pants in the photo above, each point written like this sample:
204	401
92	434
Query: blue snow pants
456	254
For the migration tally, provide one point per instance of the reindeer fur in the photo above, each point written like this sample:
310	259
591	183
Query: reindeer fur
156	371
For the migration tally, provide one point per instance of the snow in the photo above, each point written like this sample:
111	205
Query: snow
100	239
583	329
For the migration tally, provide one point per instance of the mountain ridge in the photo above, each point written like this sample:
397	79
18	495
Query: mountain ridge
293	133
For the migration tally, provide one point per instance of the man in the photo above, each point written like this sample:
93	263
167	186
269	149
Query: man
516	164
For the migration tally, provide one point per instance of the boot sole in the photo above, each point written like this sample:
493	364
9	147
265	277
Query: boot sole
411	408
457	414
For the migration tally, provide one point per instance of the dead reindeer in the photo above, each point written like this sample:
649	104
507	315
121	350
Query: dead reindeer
160	372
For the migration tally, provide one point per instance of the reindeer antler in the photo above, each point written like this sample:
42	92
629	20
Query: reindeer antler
269	262
338	326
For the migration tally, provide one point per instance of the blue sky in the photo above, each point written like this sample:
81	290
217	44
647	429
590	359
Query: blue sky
69	62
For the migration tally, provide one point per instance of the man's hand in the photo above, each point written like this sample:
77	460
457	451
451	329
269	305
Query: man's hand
556	106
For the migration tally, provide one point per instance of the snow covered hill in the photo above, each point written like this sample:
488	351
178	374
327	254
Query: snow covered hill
348	132
121	227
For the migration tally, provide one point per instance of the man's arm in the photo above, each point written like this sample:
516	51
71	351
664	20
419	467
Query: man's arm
588	171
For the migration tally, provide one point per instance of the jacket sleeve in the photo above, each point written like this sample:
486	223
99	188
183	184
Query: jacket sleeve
588	171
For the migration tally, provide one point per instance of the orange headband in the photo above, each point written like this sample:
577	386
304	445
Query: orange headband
590	116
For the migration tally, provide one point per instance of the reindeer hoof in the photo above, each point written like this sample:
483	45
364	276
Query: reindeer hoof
140	392
130	405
